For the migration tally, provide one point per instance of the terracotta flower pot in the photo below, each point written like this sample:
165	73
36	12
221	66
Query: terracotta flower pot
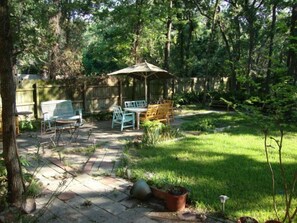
176	198
247	219
159	193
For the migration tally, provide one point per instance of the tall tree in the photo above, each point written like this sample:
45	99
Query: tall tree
271	42
8	92
292	55
56	29
168	36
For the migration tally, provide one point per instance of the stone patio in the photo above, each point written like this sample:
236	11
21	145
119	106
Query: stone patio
84	188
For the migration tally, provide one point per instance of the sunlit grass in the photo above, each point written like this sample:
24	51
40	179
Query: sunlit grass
230	162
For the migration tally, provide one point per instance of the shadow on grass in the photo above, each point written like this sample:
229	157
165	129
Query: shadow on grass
245	178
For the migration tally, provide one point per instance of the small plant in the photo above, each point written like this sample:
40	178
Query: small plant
204	125
27	125
152	132
177	190
289	187
155	131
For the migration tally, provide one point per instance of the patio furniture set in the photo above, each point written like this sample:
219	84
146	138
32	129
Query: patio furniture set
59	116
162	112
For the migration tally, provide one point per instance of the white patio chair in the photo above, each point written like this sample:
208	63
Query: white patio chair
130	104
141	104
124	119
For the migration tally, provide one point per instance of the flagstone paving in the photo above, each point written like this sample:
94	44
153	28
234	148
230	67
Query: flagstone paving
83	187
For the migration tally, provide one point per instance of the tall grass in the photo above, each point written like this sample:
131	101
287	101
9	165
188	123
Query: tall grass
228	161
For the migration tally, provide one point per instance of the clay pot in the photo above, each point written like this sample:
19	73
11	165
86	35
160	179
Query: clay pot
247	219
176	198
159	193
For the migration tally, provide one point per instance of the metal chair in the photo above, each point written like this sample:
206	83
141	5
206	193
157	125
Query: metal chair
124	119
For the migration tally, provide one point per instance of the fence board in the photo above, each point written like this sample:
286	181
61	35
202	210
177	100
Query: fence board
99	94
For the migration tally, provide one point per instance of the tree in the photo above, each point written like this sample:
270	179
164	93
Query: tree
8	92
292	55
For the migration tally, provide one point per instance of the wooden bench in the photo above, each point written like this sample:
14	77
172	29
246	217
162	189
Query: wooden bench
58	109
158	112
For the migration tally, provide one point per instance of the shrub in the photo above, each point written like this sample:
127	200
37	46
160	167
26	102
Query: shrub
152	132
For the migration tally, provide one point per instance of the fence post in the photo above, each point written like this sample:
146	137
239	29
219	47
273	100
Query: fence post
84	96
35	100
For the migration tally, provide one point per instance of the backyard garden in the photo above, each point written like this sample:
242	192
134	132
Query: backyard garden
221	153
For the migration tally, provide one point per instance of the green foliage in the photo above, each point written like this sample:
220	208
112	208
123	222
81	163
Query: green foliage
3	184
101	116
152	132
34	187
276	110
186	98
155	131
169	132
27	125
205	125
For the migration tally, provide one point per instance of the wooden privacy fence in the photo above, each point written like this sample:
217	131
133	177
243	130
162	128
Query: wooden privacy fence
98	94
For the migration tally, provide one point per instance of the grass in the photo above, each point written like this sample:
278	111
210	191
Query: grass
230	162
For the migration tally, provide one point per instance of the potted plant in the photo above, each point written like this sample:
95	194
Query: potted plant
176	197
246	219
158	192
272	221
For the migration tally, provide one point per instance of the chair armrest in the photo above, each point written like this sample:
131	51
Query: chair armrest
46	116
128	113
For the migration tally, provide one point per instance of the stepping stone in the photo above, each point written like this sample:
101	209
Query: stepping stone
65	196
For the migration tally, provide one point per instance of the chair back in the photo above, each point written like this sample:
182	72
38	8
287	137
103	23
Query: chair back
130	104
151	111
141	104
117	113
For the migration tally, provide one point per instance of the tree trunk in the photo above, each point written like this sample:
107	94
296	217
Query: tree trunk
271	38
55	51
292	55
168	39
167	48
137	31
189	42
8	92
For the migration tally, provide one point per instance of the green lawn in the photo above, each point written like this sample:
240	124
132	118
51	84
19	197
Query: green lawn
231	162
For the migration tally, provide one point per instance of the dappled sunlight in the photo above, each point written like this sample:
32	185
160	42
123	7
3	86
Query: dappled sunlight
231	162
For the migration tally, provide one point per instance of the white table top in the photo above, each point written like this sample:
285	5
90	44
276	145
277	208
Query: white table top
134	109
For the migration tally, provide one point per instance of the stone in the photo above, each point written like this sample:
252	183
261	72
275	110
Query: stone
29	205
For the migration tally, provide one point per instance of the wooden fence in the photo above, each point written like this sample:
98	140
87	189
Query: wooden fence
99	94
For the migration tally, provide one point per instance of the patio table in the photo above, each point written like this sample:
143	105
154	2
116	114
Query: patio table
137	111
66	125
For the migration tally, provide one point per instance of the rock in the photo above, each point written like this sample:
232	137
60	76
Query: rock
140	190
29	205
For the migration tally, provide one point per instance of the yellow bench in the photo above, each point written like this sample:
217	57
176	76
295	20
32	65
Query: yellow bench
158	112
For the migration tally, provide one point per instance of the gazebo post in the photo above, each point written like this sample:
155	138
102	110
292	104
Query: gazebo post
120	101
145	89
